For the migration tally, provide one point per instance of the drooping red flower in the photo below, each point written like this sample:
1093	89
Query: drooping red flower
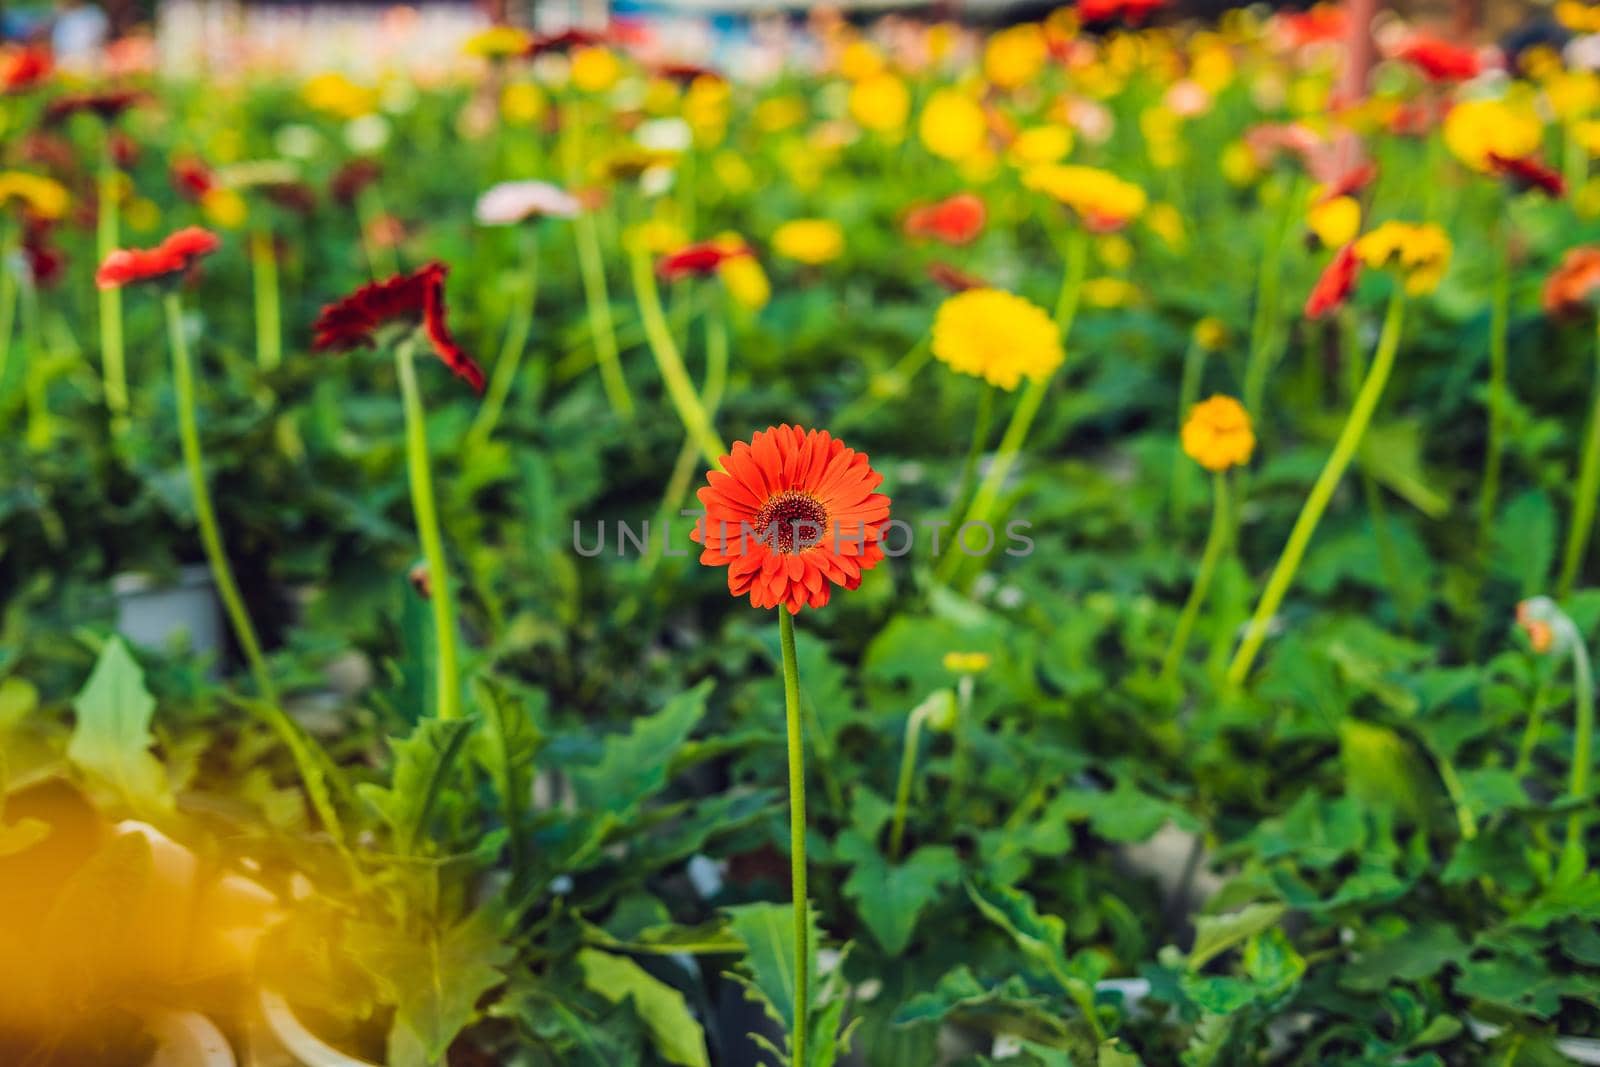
1439	60
954	279
1573	288
415	299
354	176
699	260
173	256
1528	173
955	220
791	514
1337	282
1131	12
191	178
23	68
106	105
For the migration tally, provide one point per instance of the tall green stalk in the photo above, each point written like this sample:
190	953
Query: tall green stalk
987	497
797	839
1573	857
668	360
269	324
113	363
1583	503
8	301
981	423
205	515
1188	396
510	361
1216	543
1305	525
1264	324
1499	325
420	473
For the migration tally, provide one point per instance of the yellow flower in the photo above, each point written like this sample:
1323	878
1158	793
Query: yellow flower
1212	67
1476	128
224	208
1162	128
1239	164
335	94
656	236
1015	56
522	103
1109	292
859	60
809	241
1572	94
1210	333
44	197
746	282
1578	17
705	108
779	114
952	125
1041	144
1166	222
966	662
1217	434
1335	222
1586	201
1587	134
1115	251
993	335
1101	199
1420	251
497	42
880	102
595	68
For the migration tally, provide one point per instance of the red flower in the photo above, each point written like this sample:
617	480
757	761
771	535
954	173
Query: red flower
106	105
565	41
698	260
1337	282
175	255
413	299
1325	22
792	514
1573	288
192	178
684	73
954	279
1439	60
954	220
1528	173
1133	12
45	261
1350	182
22	69
353	177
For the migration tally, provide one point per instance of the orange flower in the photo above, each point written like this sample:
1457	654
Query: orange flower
1572	287
173	256
955	220
1439	60
1335	285
792	514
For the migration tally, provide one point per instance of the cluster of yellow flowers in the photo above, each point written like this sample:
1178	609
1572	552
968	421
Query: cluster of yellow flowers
1098	197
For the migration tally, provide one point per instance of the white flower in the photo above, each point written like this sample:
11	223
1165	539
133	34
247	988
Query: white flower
512	202
297	141
367	134
664	135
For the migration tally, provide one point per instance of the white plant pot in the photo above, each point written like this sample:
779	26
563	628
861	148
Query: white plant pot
188	1039
153	613
306	1048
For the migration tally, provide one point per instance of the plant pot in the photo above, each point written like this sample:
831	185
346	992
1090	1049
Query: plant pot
302	1045
152	612
1576	1049
188	1039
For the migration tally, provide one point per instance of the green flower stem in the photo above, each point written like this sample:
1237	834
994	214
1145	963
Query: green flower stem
1499	320
797	839
888	385
427	517
205	515
1458	797
960	746
37	371
1573	857
1530	733
981	423
1188	397
1583	503
599	303
8	300
987	497
665	350
113	364
1264	324
1305	525
269	324
902	786
510	361
1216	543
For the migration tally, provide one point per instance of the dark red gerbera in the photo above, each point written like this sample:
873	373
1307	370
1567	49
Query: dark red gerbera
684	73
1132	12
566	40
1337	282
406	299
106	105
353	177
45	260
954	279
1439	60
699	260
173	256
23	68
191	178
955	220
1528	173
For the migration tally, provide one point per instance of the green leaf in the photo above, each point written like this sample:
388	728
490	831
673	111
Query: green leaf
510	742
1216	934
423	766
111	740
636	765
1525	541
1042	938
1010	1007
434	980
1392	454
767	931
891	897
1126	814
707	939
676	1034
1419	953
1112	1055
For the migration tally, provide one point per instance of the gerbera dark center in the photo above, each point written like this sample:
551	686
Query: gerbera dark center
792	522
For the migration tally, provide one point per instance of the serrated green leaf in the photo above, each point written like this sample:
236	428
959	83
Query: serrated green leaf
1216	934
890	898
635	765
423	768
111	740
673	1029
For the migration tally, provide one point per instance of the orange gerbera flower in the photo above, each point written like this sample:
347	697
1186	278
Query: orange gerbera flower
1573	288
792	514
174	256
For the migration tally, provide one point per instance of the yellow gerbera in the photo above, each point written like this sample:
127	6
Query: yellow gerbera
1475	129
595	69
497	42
809	241
337	95
1217	434
1049	143
1015	56
1101	199
44	197
996	336
952	125
1335	222
880	102
1420	251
